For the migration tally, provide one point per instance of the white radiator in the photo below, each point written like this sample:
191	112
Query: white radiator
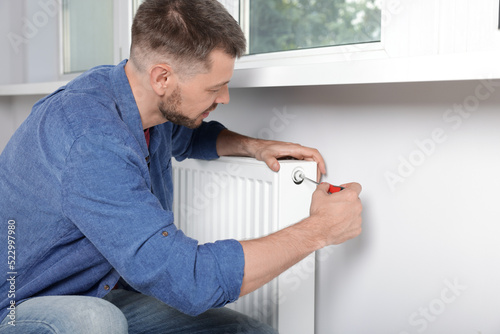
241	198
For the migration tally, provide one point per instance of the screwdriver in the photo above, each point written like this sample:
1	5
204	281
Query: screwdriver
332	189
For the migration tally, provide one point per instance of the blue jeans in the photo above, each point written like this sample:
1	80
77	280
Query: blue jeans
121	312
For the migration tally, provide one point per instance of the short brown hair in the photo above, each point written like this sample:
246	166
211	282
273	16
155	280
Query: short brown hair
183	32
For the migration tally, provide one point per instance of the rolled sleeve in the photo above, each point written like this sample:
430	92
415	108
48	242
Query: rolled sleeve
230	260
214	280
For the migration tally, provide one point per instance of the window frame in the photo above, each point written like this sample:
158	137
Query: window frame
123	12
420	42
306	55
249	68
402	55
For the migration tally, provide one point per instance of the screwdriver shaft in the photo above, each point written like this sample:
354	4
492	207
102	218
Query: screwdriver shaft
332	189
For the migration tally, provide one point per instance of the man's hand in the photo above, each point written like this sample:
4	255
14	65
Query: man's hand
334	218
269	151
337	217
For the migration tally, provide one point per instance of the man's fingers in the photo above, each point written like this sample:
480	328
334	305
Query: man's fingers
273	163
354	186
272	152
323	187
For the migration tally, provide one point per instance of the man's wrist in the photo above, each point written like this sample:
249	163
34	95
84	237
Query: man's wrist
307	234
233	144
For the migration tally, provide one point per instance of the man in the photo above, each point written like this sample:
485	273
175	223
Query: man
86	189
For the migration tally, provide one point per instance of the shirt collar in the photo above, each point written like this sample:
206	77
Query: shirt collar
126	104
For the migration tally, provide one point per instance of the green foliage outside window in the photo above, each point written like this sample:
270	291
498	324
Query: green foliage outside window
279	25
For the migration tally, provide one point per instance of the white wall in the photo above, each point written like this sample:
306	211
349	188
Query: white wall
13	111
29	41
6	61
6	122
436	228
40	28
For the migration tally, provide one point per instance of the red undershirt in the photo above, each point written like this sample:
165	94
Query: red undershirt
147	135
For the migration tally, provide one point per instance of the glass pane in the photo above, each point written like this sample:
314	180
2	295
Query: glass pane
233	7
279	25
87	34
135	5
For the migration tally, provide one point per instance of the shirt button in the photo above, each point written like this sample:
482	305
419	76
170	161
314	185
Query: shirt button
106	287
164	233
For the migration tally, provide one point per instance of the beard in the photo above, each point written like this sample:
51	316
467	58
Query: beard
171	111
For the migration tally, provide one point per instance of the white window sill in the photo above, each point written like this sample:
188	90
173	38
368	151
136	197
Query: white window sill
41	88
379	68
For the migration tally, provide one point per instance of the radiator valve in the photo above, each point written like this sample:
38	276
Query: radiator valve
298	175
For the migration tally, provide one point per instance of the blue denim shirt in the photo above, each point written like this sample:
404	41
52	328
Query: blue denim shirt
85	209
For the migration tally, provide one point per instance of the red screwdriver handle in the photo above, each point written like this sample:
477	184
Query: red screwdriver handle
334	189
299	177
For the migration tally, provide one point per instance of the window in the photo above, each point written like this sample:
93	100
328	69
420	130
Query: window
87	34
283	25
135	5
96	32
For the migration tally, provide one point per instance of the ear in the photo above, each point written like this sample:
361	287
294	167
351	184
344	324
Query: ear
161	78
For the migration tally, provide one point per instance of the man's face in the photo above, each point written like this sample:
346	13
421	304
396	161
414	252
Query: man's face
192	100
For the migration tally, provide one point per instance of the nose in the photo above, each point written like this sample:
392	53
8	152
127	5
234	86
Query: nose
223	96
